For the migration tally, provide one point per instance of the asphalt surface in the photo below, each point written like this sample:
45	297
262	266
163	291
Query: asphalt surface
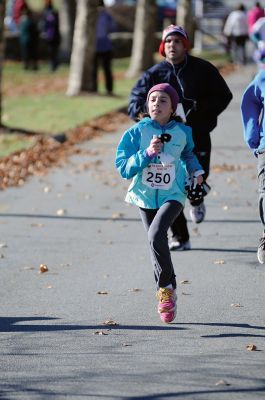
54	343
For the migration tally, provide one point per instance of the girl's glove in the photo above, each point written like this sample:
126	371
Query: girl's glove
196	191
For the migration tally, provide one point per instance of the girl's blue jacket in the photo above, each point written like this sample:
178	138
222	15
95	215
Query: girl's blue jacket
132	161
252	112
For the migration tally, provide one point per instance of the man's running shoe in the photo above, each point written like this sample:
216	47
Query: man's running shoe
197	213
174	245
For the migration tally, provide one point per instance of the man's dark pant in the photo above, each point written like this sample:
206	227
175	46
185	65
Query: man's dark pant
179	227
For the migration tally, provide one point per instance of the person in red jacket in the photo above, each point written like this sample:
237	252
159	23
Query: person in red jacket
20	7
254	14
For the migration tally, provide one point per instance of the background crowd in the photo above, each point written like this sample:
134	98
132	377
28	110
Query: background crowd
243	26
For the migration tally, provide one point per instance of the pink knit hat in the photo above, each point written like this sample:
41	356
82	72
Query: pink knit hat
168	89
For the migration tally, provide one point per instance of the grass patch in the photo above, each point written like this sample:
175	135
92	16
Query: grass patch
36	101
51	111
12	143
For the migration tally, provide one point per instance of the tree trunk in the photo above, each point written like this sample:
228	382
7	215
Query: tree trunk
67	12
2	44
80	76
143	38
185	17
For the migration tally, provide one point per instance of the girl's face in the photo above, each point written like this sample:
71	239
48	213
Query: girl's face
160	107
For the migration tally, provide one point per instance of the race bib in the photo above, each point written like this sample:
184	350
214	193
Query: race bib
158	176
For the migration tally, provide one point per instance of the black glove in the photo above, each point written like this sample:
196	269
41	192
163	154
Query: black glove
196	191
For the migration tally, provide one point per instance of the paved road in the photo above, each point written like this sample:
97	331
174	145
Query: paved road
54	344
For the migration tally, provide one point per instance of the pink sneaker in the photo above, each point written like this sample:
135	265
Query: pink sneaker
167	306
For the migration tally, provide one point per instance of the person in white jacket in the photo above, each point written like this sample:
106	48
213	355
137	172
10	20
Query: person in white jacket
236	32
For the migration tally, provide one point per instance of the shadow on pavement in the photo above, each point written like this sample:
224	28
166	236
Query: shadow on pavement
196	392
89	218
8	324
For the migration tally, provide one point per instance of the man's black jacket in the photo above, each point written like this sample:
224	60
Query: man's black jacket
202	91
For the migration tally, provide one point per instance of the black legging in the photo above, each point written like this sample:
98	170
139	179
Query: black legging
157	223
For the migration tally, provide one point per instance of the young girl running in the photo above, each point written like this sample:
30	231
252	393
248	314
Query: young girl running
157	153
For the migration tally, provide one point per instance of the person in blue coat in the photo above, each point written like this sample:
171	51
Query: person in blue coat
103	52
156	153
203	95
252	112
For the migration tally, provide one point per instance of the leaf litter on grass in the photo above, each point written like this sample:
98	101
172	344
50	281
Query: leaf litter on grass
16	168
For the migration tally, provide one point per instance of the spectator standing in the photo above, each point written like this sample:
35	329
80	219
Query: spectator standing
236	31
203	94
19	8
9	16
50	32
254	14
252	112
103	53
28	37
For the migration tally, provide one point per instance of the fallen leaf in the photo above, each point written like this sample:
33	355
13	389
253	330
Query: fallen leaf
61	211
43	268
236	305
110	322
102	292
251	347
117	215
49	286
222	382
135	290
101	333
37	225
185	282
196	231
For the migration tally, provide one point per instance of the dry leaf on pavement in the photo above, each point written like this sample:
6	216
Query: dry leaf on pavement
222	382
101	332
61	211
43	268
251	347
110	322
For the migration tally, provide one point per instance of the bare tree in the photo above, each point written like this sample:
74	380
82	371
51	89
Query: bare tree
83	47
2	16
143	37
185	17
